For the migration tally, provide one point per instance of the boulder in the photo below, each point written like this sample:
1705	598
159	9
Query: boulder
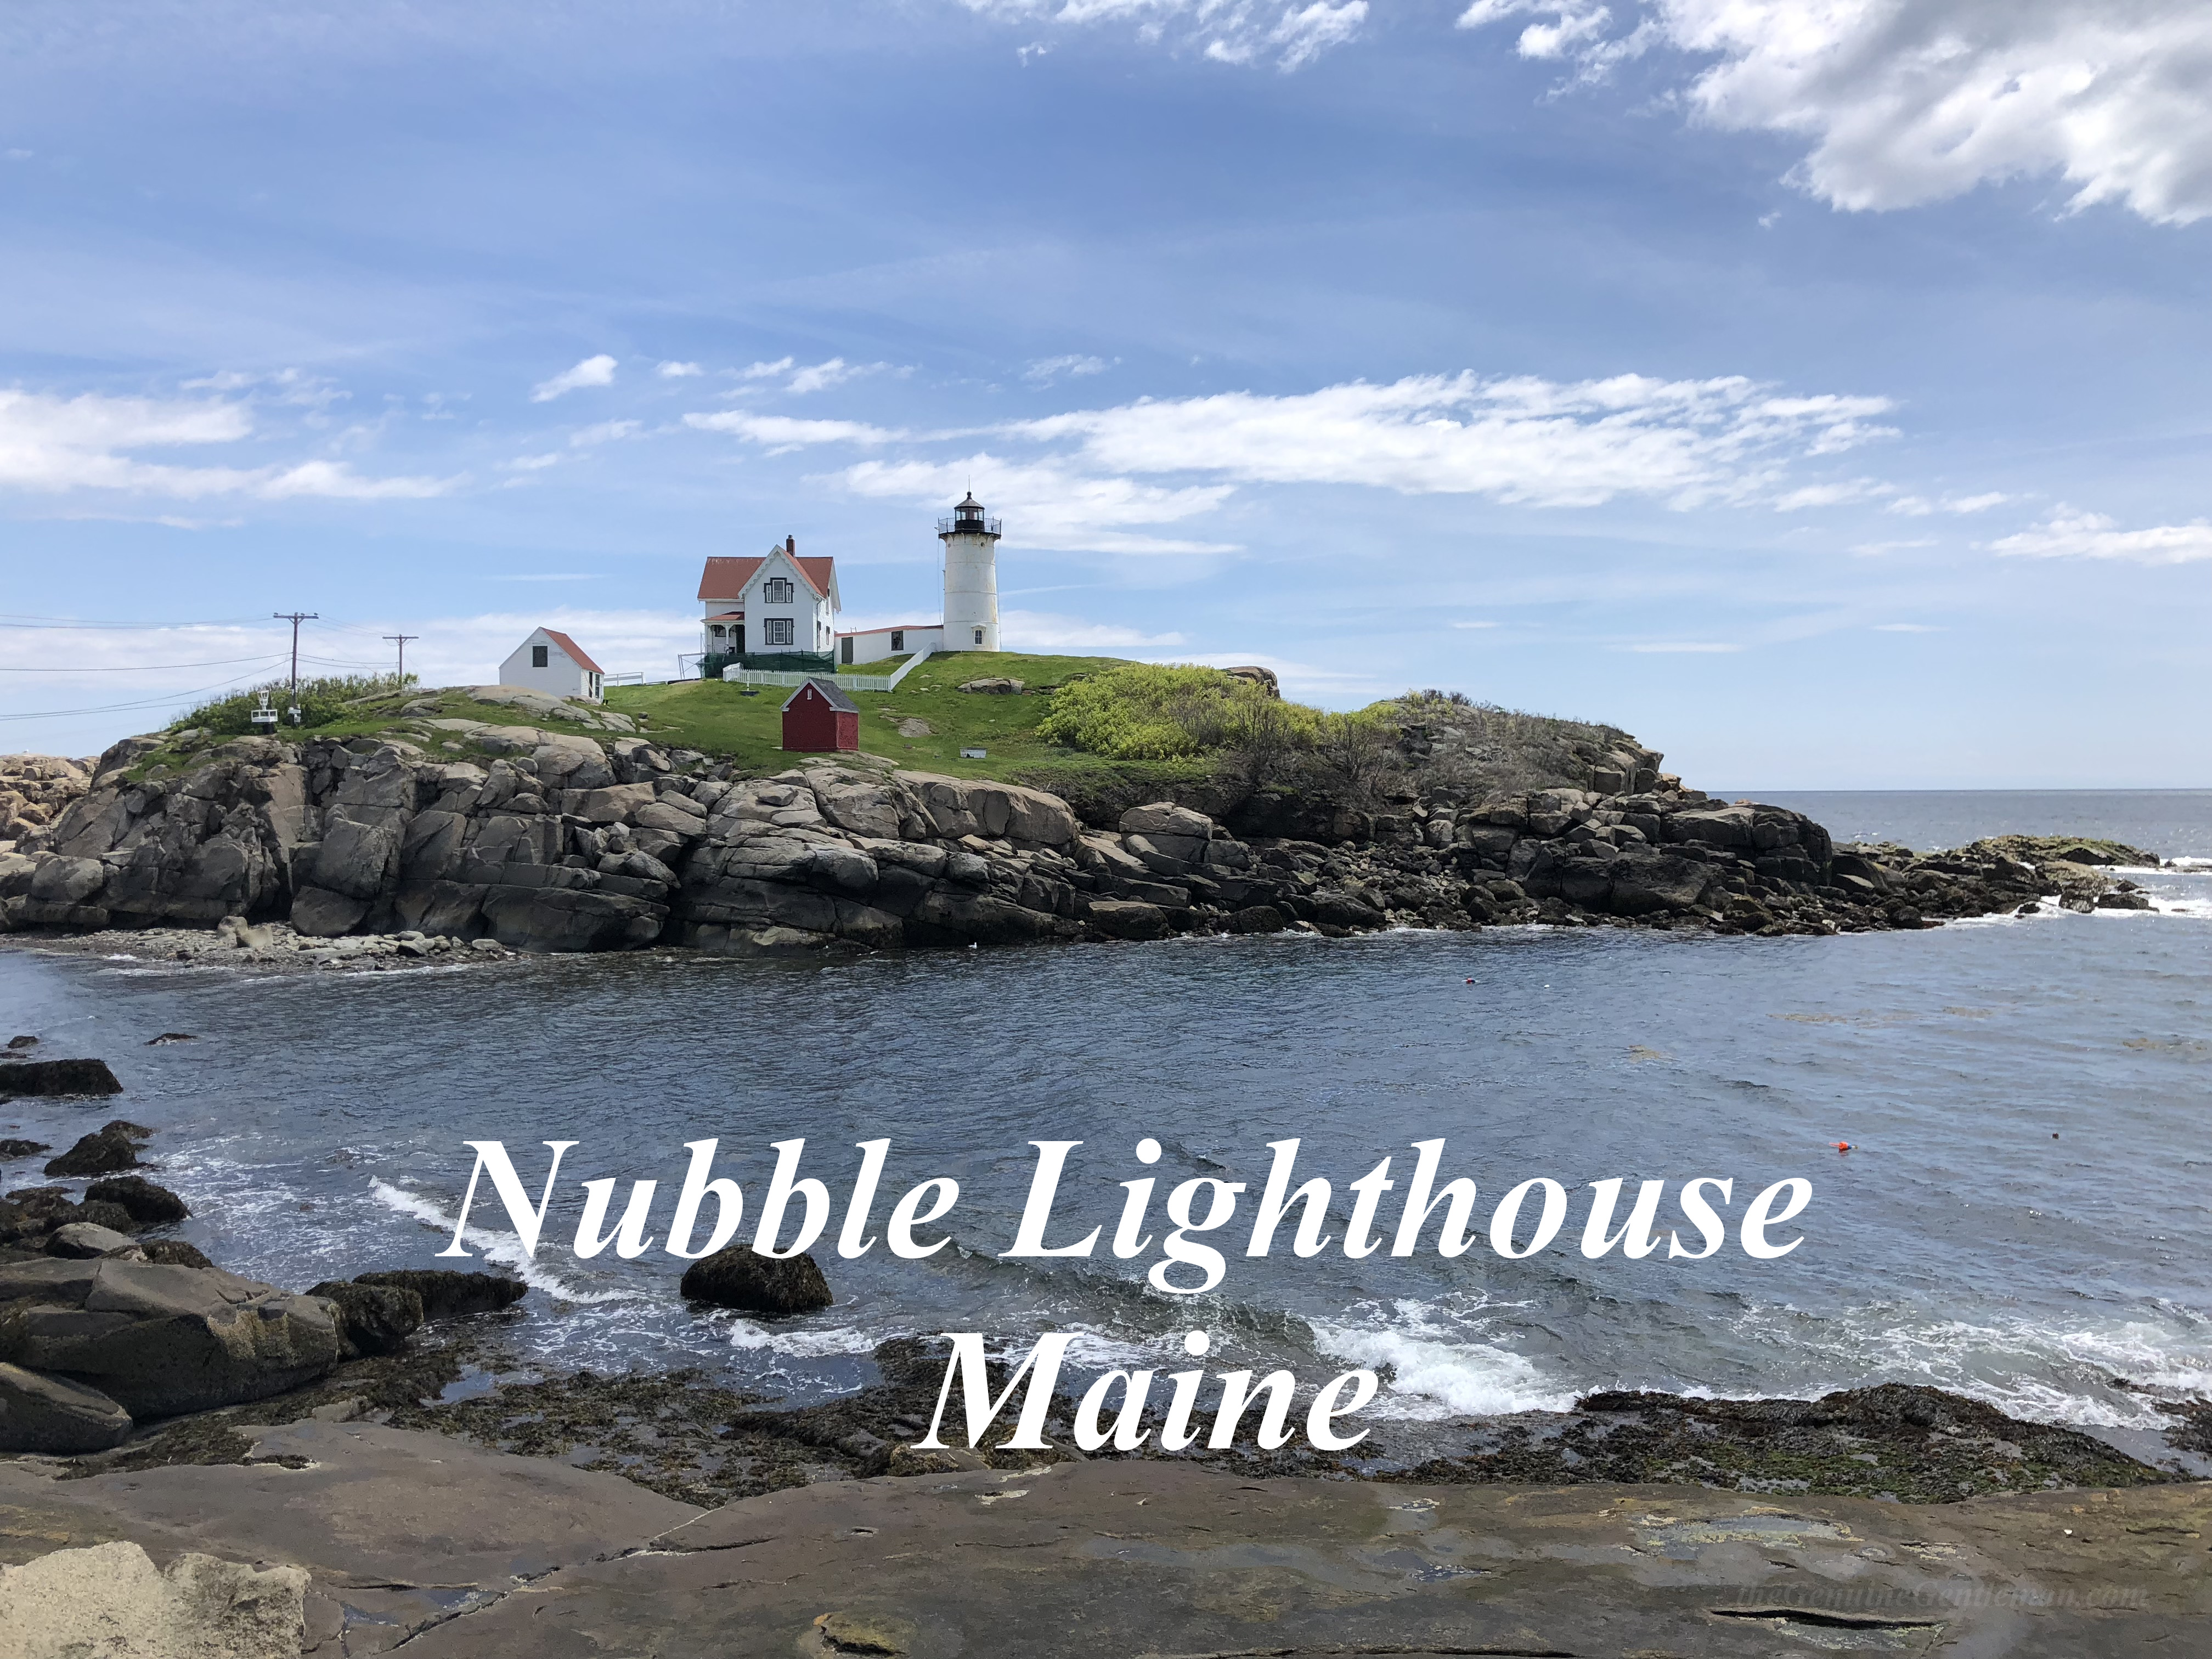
1129	919
446	1294
163	1340
56	1417
82	1240
320	913
175	1253
1164	817
613	805
109	1602
149	1206
1645	879
738	1278
55	1078
996	685
372	1319
101	1152
1258	919
12	1147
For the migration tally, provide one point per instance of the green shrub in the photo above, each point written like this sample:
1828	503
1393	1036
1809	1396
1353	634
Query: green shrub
319	702
1151	711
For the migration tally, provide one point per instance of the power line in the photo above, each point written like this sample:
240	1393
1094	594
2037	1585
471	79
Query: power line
141	667
119	707
295	618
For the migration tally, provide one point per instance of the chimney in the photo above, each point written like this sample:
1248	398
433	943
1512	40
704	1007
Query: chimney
791	543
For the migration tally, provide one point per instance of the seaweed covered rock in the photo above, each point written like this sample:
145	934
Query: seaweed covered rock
101	1152
372	1318
740	1278
56	1417
175	1253
446	1294
149	1206
59	1079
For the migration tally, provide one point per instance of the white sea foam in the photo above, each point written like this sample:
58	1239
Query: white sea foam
1445	1365
502	1248
2045	1372
800	1342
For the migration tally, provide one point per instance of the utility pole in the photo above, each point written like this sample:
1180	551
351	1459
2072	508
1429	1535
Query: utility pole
400	640
295	617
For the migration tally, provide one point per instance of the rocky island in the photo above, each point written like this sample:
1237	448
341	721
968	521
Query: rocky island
439	833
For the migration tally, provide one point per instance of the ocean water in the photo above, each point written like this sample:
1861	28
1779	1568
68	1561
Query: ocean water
2026	1214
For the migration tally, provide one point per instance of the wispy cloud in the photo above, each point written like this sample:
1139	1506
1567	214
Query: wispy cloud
87	442
2068	534
1474	624
1051	504
1909	628
1518	439
1695	647
1046	370
1045	630
606	432
1920	507
1289	36
676	371
592	371
782	433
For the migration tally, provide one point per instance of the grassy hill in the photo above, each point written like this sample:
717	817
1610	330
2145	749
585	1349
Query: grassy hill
744	722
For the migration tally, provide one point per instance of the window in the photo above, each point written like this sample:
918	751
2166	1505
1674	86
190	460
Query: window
537	656
717	630
899	639
847	650
979	636
776	590
777	630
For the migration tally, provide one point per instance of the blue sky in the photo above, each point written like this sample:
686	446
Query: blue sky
1819	391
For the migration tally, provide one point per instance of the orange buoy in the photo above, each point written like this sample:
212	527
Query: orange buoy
1842	1145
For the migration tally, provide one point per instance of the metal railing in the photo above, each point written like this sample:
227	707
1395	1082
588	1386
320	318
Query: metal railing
784	676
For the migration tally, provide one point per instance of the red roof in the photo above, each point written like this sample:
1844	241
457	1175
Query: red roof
726	616
725	578
575	651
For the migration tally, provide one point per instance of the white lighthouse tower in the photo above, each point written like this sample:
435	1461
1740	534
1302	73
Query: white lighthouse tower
971	577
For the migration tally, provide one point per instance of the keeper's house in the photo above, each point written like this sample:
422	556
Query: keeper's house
779	610
551	662
820	720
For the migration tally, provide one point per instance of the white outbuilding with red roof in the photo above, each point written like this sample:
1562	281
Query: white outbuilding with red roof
549	661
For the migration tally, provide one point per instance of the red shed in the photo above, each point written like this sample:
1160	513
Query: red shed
819	718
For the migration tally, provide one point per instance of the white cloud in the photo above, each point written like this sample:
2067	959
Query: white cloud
1226	31
85	442
1046	370
1919	507
1911	101
2069	534
532	463
675	371
1044	630
1050	505
820	377
783	432
592	371
1909	628
765	371
1518	439
604	432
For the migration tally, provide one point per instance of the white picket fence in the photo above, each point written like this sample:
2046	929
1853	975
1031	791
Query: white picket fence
844	682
